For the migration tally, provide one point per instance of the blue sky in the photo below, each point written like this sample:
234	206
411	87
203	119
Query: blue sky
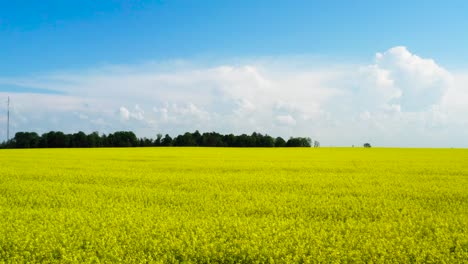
48	35
77	50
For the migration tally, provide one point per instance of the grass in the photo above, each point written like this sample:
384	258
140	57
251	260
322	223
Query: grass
203	205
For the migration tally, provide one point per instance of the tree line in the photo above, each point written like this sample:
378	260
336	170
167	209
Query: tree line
57	139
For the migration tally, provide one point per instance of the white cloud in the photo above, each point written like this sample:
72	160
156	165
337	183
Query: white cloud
176	114
139	113
400	98
124	113
420	82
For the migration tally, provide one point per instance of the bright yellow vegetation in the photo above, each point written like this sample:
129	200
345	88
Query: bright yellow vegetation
201	205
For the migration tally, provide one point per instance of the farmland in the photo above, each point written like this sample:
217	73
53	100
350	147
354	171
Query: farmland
200	205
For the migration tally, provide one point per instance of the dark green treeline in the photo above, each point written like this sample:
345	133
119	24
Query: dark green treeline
55	139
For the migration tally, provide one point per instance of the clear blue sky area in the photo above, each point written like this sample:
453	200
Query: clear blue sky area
41	36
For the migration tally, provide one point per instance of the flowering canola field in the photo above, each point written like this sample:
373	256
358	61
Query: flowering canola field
205	205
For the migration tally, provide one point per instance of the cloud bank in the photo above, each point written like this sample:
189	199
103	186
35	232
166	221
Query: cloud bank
399	99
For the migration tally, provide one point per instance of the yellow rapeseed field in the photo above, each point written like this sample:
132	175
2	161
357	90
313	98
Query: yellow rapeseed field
220	205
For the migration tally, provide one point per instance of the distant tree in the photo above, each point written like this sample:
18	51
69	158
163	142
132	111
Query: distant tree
105	140
280	142
316	144
94	140
123	139
166	141
212	139
197	137
299	142
244	141
57	139
79	140
264	141
184	140
268	141
367	145
145	142
43	141
229	140
26	140
157	141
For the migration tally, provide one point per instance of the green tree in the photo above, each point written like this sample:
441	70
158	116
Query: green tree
157	141
299	142
280	142
166	141
26	140
79	140
94	140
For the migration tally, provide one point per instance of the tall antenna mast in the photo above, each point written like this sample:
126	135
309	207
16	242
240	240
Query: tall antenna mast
8	120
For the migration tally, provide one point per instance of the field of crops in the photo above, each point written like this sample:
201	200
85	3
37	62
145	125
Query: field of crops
200	205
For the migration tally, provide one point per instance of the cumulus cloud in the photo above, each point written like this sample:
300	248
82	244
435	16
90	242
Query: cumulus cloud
137	114
401	79
124	113
177	114
397	97
416	83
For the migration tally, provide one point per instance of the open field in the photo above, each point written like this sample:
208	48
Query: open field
234	205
